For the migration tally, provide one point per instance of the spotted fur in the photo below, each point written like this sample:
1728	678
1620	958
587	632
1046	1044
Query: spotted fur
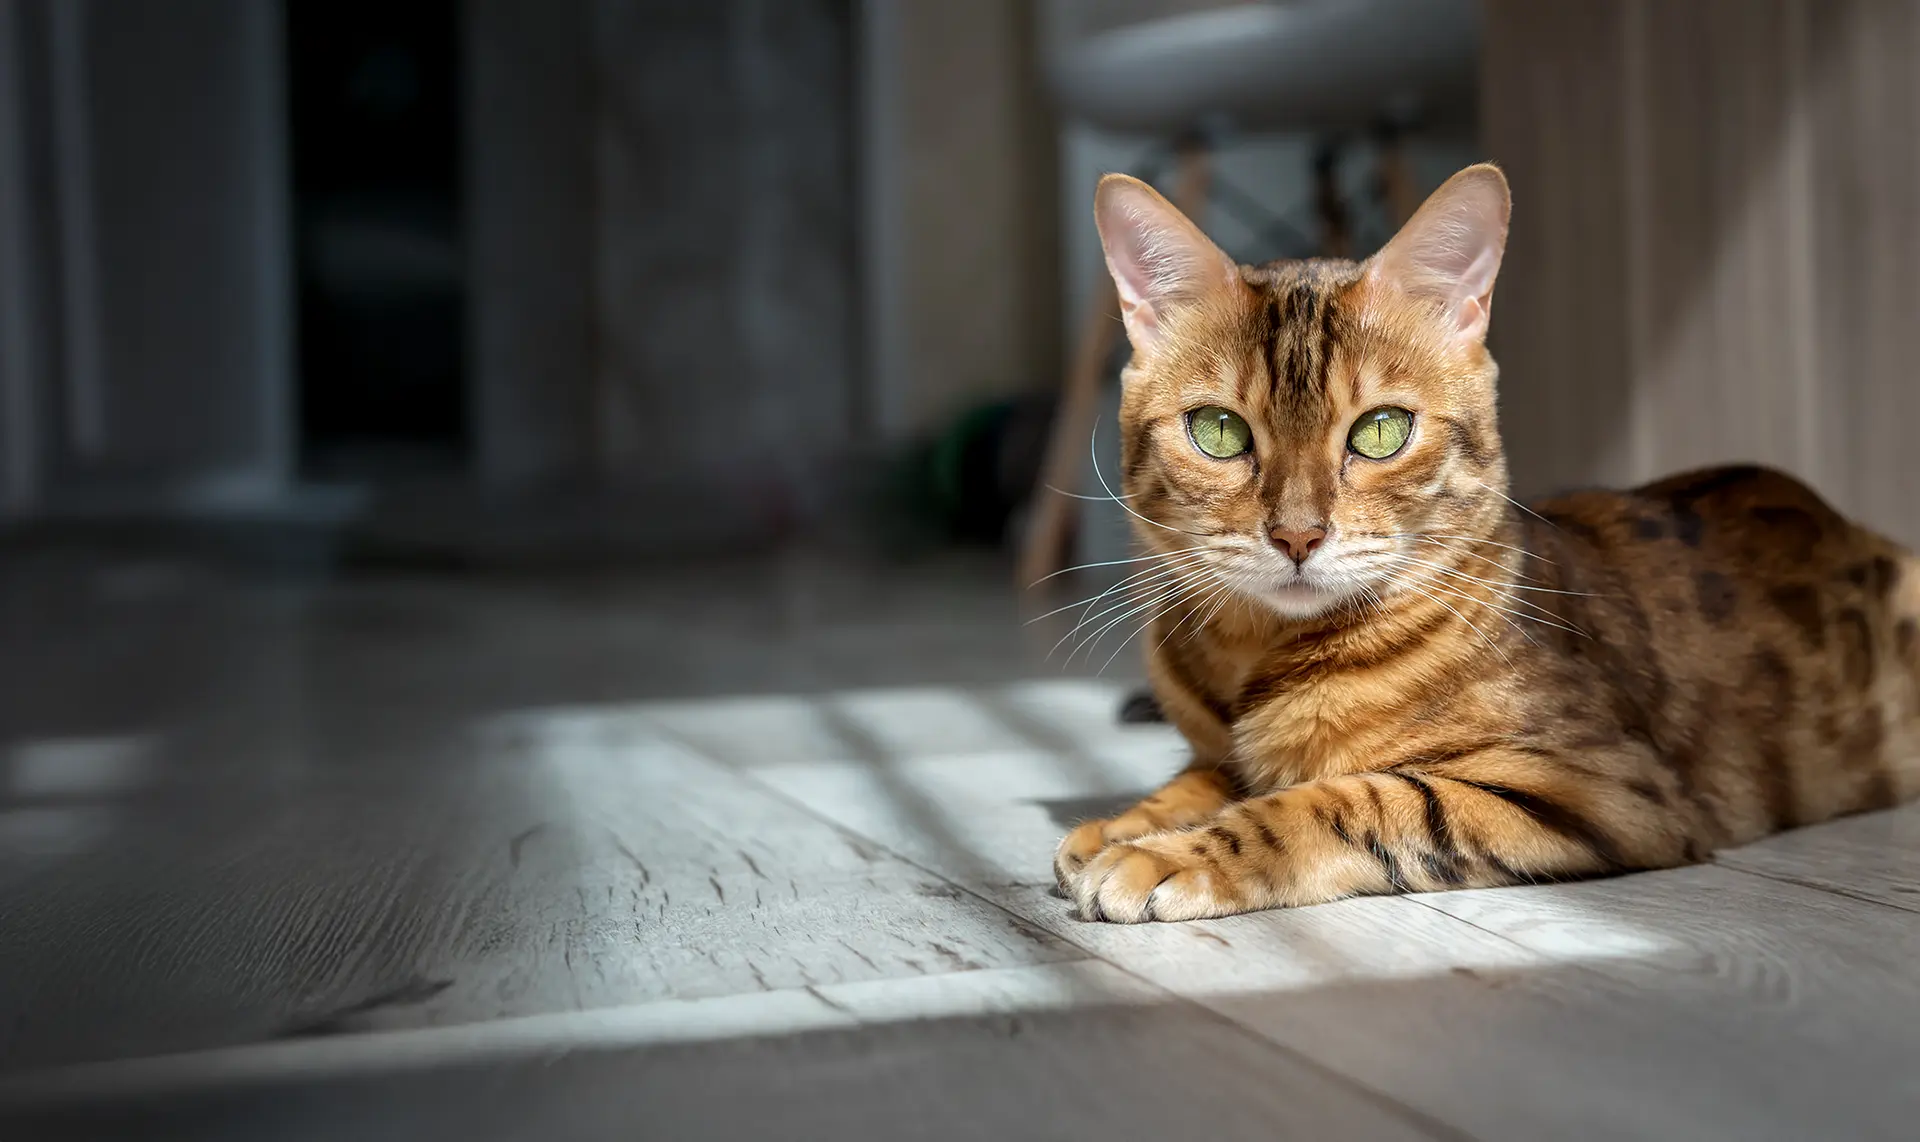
1603	682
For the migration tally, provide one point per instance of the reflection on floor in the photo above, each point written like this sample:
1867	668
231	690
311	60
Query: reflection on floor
762	851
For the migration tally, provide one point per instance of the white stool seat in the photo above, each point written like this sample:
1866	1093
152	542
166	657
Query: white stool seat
1305	65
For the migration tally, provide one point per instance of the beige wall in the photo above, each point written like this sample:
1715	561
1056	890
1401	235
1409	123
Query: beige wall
1716	244
959	235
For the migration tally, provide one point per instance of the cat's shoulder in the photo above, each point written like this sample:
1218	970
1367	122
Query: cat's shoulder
1738	504
1733	485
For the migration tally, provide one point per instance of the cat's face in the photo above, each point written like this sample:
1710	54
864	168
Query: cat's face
1309	433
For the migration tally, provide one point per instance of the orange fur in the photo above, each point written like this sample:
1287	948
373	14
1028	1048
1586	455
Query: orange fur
1453	690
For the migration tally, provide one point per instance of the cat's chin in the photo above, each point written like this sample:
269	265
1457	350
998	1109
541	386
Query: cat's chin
1299	599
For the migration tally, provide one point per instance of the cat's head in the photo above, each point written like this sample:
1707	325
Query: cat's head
1304	430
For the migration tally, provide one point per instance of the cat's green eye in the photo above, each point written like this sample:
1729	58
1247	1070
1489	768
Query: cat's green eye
1219	433
1380	433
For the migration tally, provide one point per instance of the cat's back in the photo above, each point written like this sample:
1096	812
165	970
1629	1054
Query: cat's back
1750	524
1749	624
1728	558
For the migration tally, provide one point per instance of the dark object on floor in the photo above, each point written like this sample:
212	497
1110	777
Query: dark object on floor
1140	708
969	482
982	468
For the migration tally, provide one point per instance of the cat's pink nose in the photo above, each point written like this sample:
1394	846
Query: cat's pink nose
1297	545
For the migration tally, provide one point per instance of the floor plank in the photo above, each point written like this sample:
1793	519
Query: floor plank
1711	1003
1876	856
1697	1004
564	863
426	832
1562	1011
987	819
1075	717
1061	1051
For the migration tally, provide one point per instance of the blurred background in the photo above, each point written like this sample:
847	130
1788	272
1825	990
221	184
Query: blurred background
478	280
374	371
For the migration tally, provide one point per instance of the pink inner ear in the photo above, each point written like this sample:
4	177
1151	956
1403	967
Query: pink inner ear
1130	264
1471	317
1471	313
1133	279
1450	251
1476	281
1157	257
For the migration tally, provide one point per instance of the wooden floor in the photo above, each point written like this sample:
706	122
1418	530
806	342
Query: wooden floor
763	852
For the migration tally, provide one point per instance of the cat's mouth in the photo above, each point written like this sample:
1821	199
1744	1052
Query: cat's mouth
1327	581
1298	594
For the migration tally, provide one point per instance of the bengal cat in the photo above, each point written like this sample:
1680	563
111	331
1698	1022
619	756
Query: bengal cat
1395	679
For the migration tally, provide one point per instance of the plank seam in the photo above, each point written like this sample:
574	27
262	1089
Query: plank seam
1829	889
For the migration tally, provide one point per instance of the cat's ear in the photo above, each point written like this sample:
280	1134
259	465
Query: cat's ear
1449	251
1158	258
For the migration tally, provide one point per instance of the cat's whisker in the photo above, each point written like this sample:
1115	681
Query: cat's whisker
1518	504
1505	615
1367	597
1174	563
1498	604
1500	609
1127	598
1161	596
1484	637
1207	609
1491	582
1084	496
1144	626
1226	595
1175	627
1153	611
1089	602
1464	549
1144	578
1203	610
1454	547
1216	602
1399	559
1115	563
1130	600
1093	454
1545	614
1157	605
1379	604
1449	535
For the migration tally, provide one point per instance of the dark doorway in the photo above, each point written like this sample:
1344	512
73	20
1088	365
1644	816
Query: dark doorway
374	99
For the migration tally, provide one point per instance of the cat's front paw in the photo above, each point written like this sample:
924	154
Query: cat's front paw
1167	876
1089	838
1075	850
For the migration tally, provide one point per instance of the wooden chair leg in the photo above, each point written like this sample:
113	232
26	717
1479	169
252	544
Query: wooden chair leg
1054	519
1336	237
1395	181
1051	523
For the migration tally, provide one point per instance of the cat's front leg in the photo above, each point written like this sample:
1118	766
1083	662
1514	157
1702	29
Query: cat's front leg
1196	795
1498	822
